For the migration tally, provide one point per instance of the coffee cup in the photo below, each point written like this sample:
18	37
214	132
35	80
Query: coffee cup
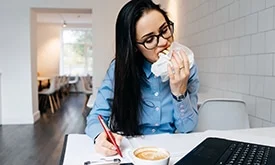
150	156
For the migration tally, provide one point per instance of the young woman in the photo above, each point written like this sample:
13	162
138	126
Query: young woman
131	99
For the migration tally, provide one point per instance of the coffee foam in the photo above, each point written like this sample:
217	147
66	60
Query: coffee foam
151	154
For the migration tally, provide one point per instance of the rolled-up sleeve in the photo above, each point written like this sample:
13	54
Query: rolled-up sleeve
102	105
185	111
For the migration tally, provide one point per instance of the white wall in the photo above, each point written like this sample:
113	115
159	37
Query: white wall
234	45
17	58
15	63
48	49
0	102
33	43
104	17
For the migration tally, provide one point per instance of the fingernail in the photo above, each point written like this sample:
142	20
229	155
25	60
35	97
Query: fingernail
113	148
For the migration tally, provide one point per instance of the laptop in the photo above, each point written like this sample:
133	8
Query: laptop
218	151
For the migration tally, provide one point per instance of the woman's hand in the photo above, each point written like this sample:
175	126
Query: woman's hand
103	146
179	72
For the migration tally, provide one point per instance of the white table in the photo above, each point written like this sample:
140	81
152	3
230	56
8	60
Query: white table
43	78
40	79
78	148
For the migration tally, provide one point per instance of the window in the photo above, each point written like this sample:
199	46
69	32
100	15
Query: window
76	53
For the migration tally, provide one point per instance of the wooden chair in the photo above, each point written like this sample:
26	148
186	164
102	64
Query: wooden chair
87	90
73	82
50	94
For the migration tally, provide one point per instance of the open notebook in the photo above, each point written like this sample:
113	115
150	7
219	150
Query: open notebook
80	149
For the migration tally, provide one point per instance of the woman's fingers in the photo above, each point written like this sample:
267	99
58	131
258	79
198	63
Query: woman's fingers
105	151
103	146
176	69
177	63
179	67
185	62
179	58
170	72
107	144
180	71
118	138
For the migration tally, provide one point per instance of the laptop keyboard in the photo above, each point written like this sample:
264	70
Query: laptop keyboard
245	154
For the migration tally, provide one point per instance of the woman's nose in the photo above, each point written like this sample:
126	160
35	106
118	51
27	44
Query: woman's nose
162	41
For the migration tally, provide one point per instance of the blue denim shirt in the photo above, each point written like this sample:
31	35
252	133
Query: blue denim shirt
161	112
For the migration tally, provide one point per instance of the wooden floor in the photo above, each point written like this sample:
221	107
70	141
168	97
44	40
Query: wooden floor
41	143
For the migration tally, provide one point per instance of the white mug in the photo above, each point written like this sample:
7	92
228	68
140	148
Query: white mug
150	156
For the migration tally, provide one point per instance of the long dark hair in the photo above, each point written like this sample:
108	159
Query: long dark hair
129	74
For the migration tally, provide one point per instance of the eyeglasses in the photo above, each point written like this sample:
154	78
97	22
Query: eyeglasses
153	41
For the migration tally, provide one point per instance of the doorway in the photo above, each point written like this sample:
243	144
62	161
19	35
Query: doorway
47	26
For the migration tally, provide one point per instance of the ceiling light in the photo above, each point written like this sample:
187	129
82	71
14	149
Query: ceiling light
64	24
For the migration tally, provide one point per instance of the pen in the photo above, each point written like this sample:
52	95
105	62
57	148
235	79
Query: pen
110	136
104	161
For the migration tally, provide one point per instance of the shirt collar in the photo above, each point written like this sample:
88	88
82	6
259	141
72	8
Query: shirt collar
147	68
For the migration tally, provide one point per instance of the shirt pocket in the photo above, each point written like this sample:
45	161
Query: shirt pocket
150	112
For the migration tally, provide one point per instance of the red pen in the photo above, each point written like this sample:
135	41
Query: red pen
110	136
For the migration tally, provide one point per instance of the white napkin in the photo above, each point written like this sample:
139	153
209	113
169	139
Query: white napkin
159	68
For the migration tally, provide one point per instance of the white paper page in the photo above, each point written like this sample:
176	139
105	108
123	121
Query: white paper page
80	148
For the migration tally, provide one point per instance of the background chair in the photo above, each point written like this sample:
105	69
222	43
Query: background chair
222	114
50	94
91	101
73	82
87	90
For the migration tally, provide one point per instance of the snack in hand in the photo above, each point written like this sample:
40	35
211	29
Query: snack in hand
164	52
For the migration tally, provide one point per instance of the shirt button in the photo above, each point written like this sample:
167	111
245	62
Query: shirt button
182	110
157	108
157	124
153	130
181	106
156	94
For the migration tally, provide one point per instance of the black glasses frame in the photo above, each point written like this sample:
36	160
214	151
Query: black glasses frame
171	28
